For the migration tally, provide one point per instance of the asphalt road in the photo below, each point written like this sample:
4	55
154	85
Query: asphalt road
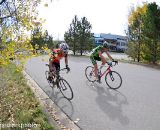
135	106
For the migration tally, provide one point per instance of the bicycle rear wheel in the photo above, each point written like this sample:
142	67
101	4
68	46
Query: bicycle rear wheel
113	80
89	72
65	89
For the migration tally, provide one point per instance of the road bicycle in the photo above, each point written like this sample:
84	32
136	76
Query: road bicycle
112	78
60	82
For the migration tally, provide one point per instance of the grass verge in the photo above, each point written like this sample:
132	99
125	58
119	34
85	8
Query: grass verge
19	109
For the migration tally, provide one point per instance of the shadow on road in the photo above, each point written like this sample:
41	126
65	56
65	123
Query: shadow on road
111	102
64	104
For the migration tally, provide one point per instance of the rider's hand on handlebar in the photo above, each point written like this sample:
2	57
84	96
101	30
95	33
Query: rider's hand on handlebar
115	61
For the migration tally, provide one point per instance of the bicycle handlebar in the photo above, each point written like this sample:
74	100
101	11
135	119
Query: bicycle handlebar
115	63
63	69
111	63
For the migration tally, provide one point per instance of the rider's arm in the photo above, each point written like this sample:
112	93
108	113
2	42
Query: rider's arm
109	56
102	58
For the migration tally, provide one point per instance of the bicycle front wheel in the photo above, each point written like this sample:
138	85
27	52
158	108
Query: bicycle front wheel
89	72
113	80
65	89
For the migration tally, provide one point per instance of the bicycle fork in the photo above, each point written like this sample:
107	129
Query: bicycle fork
111	75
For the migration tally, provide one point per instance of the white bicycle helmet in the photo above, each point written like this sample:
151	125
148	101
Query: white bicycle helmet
105	44
64	47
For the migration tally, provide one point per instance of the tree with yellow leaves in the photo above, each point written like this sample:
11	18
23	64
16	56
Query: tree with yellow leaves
17	19
144	33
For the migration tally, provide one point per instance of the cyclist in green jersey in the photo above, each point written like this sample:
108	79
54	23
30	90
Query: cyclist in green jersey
96	55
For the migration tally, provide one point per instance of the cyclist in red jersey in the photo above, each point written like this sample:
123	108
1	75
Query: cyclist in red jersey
56	55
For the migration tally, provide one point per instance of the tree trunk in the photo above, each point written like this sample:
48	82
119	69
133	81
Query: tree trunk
74	48
138	57
74	51
81	52
155	53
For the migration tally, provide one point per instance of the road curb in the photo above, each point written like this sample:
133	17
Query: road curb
55	116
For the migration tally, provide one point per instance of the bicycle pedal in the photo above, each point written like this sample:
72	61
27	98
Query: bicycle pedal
99	81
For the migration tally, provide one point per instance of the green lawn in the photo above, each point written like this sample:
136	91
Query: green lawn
18	105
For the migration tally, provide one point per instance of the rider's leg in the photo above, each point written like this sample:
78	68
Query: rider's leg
54	72
66	59
103	60
96	71
50	66
57	66
95	66
50	71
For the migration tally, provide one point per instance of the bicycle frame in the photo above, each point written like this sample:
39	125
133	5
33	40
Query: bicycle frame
107	70
102	74
112	78
58	75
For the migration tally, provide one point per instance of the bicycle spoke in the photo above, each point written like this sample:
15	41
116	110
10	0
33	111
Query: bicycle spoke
90	74
64	86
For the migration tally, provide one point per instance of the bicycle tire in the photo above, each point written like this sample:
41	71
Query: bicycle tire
63	86
91	73
47	74
109	79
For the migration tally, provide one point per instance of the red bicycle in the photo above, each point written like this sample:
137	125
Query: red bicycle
112	78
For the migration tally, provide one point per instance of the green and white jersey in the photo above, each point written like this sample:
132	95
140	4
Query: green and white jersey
95	51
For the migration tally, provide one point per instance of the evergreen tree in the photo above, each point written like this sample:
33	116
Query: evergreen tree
79	35
144	32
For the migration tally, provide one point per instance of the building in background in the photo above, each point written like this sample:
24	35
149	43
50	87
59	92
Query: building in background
116	42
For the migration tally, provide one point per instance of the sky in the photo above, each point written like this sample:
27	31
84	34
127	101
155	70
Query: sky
105	16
